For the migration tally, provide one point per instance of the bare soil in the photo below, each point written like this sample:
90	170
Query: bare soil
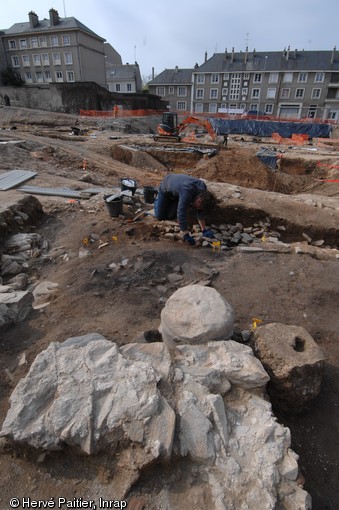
124	301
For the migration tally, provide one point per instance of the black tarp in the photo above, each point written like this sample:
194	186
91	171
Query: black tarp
269	157
267	128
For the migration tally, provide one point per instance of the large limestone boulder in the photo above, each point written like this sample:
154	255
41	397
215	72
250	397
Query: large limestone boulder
85	393
15	305
196	314
294	362
142	405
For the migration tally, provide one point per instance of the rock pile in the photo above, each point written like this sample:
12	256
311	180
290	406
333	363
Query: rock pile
146	404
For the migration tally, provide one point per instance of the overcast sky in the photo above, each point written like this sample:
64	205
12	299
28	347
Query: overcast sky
163	34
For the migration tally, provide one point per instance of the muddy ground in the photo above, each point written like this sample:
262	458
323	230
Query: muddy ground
119	288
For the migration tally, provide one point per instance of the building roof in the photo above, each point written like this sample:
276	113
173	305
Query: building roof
287	60
122	72
173	77
45	26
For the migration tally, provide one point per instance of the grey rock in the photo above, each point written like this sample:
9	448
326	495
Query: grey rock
196	314
294	362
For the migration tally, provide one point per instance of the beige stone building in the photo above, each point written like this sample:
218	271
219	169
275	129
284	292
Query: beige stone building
53	50
280	84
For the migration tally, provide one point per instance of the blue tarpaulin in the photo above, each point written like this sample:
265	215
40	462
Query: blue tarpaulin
267	128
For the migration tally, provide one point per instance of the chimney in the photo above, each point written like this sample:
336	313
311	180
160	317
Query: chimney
333	54
232	58
54	17
205	56
33	19
287	53
295	53
246	55
176	69
152	73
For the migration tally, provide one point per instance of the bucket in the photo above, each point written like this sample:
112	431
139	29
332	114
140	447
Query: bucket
114	207
150	194
128	184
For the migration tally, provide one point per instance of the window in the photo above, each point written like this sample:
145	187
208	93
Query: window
15	61
181	105
25	60
182	91
70	76
171	90
42	42
23	44
199	93
299	93
215	78
129	87
200	78
319	77
235	86
288	77
213	93
59	76
285	93
39	77
212	108
224	92
66	40
68	58
54	40
257	78
273	78
117	87
226	76
48	76
160	91
302	78
254	107
34	42
28	77
255	93
56	58
244	91
269	108
12	45
271	93
316	93
45	59
36	59
246	76
312	111
199	108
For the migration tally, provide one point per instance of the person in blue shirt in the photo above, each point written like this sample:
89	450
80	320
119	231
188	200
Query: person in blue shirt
177	193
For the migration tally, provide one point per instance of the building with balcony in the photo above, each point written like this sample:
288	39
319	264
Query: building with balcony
54	50
286	84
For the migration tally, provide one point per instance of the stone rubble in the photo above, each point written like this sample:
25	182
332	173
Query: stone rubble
147	403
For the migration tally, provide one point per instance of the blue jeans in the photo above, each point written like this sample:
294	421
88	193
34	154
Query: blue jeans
165	207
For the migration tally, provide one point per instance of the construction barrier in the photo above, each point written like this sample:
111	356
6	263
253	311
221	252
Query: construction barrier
119	112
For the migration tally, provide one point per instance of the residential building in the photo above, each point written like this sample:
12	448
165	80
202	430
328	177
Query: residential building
174	86
54	50
123	78
285	84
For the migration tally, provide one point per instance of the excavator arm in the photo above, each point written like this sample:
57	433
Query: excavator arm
200	122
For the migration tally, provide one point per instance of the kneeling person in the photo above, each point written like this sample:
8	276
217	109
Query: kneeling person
177	193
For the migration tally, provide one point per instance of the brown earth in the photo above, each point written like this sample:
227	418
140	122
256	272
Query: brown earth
124	301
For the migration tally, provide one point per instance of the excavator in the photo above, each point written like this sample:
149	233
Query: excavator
169	129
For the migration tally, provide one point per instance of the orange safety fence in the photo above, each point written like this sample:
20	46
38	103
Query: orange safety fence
120	112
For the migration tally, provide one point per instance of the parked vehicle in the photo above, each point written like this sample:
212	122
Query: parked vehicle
255	114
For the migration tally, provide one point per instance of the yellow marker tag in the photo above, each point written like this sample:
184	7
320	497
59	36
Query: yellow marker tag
216	245
255	322
115	238
85	241
263	239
